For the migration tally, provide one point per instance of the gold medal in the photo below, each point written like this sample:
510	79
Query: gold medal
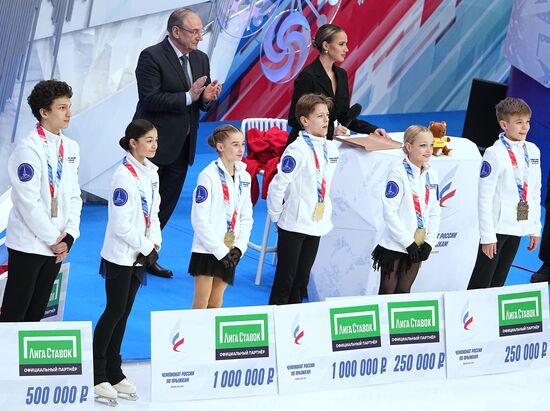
54	207
419	236
523	211
319	211
229	239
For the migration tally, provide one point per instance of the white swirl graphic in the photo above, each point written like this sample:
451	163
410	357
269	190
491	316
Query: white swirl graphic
285	46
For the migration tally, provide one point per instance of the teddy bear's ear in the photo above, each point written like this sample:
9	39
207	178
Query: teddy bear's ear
431	123
444	123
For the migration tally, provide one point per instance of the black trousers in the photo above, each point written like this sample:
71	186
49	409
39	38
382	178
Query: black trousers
29	285
109	331
544	251
296	254
493	272
171	179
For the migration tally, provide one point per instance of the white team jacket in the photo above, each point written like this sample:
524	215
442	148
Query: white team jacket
399	212
31	229
292	193
208	211
125	235
498	193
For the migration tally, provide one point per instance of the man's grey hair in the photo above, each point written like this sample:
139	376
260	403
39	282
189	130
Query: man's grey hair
177	17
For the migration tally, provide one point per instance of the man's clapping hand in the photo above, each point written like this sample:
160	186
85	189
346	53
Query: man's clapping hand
212	91
197	88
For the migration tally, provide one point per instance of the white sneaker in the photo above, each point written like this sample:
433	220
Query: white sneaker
126	390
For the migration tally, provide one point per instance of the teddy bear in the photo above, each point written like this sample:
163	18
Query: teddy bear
440	140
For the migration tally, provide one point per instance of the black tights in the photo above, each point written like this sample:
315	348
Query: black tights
400	279
109	331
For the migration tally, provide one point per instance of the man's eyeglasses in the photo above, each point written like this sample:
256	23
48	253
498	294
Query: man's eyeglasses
199	32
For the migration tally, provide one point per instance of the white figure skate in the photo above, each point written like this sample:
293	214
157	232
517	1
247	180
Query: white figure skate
106	394
126	390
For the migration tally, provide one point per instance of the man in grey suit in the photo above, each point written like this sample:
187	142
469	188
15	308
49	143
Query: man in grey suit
173	79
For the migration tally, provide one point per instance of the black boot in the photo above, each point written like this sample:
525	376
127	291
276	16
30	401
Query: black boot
542	275
159	271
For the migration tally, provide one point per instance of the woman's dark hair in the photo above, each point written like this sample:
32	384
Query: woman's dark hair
44	93
136	129
325	33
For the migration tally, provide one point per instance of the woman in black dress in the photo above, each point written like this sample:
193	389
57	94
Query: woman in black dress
323	76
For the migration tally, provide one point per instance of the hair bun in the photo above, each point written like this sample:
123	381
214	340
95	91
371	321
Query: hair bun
124	143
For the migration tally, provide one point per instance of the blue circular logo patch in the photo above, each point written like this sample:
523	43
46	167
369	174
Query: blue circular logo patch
120	197
485	169
288	164
391	189
201	194
25	172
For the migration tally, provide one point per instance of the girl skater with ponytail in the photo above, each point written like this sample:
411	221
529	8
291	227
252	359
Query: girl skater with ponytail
132	240
222	218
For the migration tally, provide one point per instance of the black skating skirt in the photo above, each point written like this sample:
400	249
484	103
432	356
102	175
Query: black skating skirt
384	260
110	270
207	264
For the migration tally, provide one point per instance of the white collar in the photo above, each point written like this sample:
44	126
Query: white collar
146	167
314	139
415	169
178	52
239	166
51	137
513	143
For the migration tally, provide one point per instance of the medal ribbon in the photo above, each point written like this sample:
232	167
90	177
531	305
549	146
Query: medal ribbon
54	185
522	187
144	205
321	180
231	217
415	196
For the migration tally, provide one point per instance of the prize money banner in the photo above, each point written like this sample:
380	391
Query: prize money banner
227	352
359	341
46	365
497	329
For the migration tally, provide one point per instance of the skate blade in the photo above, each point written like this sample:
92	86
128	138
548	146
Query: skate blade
128	397
106	401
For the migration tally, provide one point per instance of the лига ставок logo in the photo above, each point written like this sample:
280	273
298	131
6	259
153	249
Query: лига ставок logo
242	336
520	313
354	328
50	352
414	322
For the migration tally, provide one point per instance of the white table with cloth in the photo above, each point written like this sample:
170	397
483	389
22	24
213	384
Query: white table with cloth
343	266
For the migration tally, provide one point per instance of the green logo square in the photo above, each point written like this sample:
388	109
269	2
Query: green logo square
242	336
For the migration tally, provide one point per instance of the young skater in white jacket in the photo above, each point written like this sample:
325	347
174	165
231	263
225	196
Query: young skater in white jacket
45	218
509	196
411	213
132	240
298	199
222	218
